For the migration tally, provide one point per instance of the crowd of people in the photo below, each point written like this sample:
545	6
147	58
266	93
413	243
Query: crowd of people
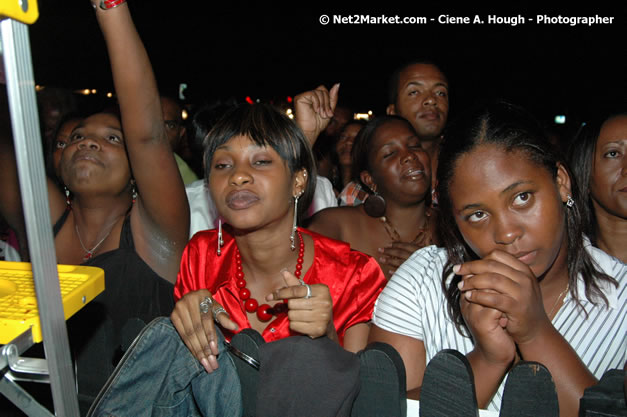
476	234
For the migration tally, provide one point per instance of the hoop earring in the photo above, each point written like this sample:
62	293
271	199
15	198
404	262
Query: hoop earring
570	202
68	201
375	204
293	235
220	241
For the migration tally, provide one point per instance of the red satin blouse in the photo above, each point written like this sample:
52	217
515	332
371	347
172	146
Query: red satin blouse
354	280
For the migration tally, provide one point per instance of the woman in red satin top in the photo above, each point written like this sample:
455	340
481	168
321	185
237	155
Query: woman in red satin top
259	270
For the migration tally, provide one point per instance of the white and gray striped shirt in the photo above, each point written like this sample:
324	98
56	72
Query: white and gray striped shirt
414	305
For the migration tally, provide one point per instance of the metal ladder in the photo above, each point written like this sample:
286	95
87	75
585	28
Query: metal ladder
15	44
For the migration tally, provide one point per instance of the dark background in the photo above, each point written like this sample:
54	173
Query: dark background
269	52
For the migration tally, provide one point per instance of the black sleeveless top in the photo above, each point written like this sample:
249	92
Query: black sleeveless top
101	331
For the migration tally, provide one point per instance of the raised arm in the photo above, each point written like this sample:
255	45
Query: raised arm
160	218
314	110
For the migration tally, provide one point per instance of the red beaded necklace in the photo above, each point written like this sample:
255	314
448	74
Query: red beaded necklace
264	311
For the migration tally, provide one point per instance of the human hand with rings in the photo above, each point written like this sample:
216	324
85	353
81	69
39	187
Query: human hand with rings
310	307
193	317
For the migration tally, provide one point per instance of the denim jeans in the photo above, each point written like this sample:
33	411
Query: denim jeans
158	376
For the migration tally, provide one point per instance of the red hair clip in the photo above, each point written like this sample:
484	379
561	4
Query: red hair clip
110	4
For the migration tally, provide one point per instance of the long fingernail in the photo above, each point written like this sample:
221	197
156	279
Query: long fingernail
456	268
468	294
205	364
460	284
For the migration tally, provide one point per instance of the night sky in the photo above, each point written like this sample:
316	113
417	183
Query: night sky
231	50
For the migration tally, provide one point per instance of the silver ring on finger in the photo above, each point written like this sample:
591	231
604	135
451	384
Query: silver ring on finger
205	305
218	310
308	291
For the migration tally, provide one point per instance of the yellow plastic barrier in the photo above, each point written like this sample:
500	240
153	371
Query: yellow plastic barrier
18	302
25	11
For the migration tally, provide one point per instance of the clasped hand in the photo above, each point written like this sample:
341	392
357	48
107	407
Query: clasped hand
310	316
501	303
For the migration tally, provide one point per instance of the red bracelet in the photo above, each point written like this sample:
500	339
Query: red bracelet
110	4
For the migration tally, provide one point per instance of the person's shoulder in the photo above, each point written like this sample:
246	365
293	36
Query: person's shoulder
613	268
607	263
323	183
204	237
335	250
332	221
425	264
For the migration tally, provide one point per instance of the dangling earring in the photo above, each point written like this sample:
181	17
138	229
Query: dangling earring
570	202
68	202
374	204
220	241
293	235
133	191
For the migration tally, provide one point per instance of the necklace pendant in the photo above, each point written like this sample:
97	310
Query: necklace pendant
88	256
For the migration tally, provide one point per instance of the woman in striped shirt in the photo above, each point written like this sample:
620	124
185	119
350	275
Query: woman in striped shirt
519	279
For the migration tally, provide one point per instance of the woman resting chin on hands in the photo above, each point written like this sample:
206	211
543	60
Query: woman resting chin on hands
520	282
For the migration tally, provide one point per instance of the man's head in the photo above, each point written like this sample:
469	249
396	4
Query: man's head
173	119
341	116
419	93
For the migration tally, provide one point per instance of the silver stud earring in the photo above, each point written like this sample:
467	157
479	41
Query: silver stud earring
293	235
570	202
220	241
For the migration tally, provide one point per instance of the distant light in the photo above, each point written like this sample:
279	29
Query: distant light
86	91
288	111
39	87
560	119
182	88
362	116
93	91
258	101
369	112
289	99
184	114
249	100
291	116
109	94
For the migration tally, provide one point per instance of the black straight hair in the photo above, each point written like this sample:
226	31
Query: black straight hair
514	130
265	125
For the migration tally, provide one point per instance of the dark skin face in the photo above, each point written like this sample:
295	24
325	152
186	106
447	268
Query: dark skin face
95	157
422	99
251	185
173	120
345	143
61	140
608	181
503	201
400	168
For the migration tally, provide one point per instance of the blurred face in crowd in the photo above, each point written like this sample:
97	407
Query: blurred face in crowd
173	119
608	182
344	144
341	116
